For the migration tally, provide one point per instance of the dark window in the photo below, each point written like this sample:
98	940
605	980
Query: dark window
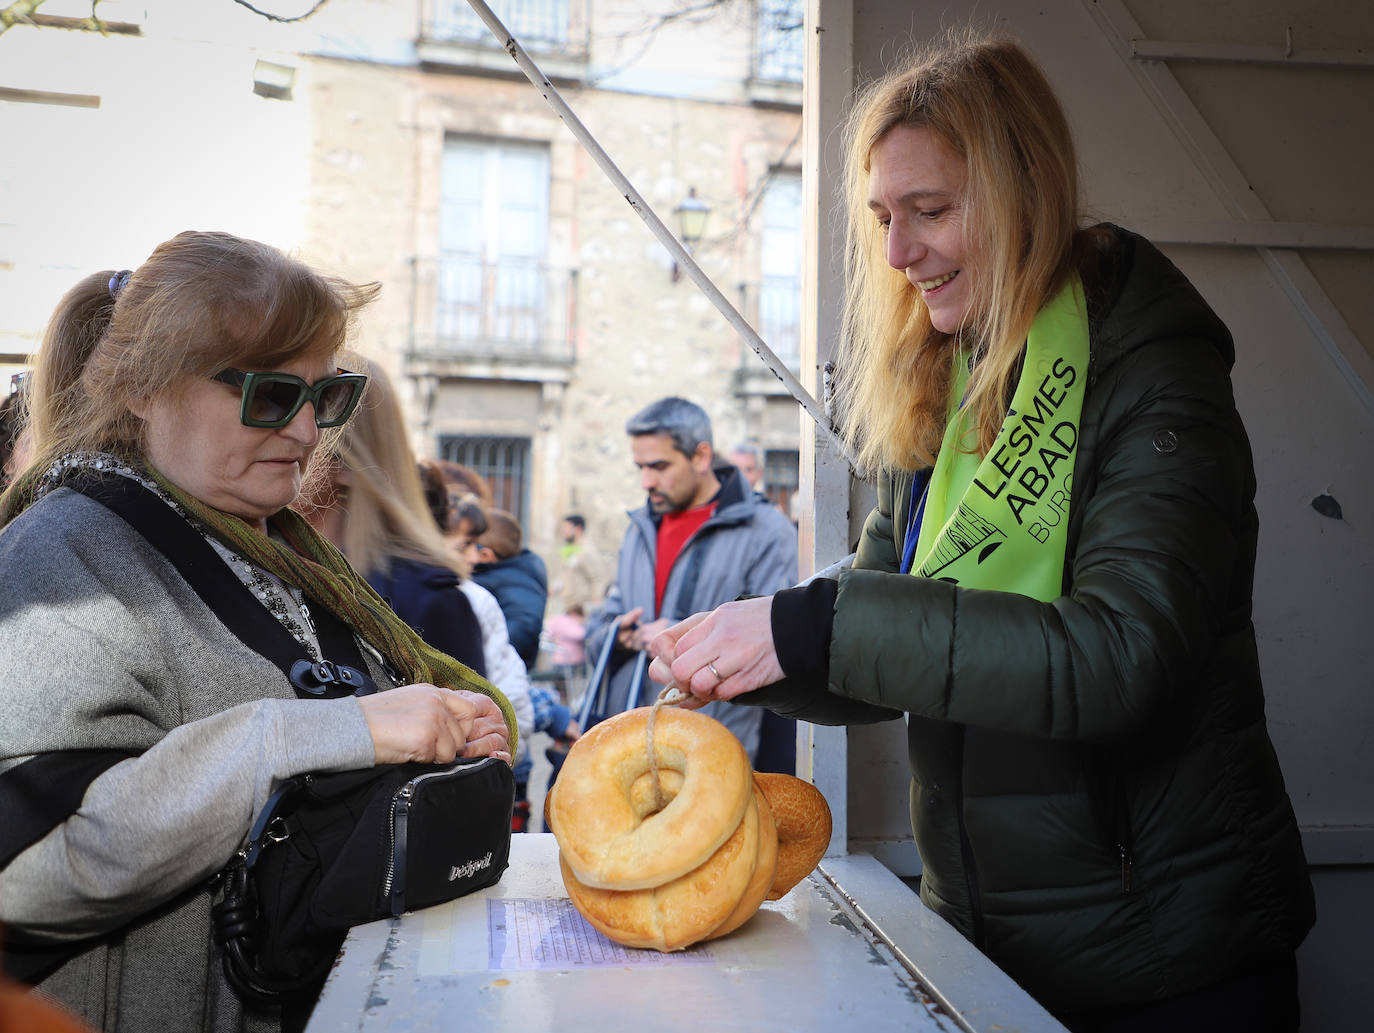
504	463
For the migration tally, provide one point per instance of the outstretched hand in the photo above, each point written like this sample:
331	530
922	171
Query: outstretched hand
721	654
432	725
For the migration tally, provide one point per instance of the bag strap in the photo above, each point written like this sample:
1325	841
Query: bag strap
229	598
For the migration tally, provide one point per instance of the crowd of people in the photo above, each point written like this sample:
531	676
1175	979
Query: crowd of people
1053	591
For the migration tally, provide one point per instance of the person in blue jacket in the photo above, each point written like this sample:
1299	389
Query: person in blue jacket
516	576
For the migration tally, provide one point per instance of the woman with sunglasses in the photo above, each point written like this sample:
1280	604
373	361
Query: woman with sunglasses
176	412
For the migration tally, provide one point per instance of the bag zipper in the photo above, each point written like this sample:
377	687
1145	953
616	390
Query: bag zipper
393	890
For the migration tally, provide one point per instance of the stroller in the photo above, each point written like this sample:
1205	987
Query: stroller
591	707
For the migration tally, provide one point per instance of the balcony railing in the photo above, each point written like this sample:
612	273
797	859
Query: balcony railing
779	56
775	308
466	308
538	24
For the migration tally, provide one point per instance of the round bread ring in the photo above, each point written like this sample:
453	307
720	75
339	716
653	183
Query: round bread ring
603	813
682	911
764	869
803	820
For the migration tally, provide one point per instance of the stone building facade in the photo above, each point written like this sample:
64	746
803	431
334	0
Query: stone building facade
527	310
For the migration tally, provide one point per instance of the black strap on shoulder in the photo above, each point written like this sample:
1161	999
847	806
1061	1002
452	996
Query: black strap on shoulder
39	794
35	797
230	599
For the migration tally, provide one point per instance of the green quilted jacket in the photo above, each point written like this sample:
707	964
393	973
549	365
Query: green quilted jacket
1095	798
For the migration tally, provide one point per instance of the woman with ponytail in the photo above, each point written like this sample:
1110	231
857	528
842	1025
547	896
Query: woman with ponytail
177	409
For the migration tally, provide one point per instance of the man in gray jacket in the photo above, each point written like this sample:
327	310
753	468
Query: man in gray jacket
702	538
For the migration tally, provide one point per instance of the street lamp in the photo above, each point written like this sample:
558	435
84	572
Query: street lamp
691	213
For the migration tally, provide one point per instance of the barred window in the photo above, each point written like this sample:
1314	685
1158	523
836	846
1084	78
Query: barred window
504	463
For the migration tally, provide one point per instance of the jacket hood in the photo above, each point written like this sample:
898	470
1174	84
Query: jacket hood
1139	296
523	566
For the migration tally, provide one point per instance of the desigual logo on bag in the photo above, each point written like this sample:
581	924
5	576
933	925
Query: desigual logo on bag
462	871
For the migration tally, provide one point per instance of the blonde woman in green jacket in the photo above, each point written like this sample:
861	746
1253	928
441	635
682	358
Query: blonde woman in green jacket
1055	584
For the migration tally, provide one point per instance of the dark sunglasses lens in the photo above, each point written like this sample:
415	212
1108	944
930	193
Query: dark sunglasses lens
272	400
335	402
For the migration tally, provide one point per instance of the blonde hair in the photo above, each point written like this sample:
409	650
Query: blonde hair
989	102
387	514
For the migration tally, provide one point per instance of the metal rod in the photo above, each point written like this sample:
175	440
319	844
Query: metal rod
680	254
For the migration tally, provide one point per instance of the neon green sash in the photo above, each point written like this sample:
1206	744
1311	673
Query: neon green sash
1001	521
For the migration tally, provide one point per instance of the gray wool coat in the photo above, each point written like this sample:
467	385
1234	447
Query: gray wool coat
104	646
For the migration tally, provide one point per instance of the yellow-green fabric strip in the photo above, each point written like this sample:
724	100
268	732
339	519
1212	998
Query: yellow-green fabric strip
1000	521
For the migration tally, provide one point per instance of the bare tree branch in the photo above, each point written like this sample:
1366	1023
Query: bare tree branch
18	13
279	18
24	12
695	12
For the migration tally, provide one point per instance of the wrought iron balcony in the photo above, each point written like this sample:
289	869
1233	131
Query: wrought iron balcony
779	55
540	25
773	307
469	309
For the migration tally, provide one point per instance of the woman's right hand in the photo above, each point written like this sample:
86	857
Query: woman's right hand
432	725
721	654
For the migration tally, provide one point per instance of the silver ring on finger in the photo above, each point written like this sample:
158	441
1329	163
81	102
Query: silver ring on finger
712	668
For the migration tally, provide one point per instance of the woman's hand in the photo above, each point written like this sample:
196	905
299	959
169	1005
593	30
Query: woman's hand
736	639
432	725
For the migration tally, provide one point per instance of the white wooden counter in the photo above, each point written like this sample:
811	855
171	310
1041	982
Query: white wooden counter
518	957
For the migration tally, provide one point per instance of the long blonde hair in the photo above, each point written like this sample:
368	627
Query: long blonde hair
990	103
200	303
386	512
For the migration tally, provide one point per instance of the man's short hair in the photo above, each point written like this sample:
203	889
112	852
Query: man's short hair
746	448
503	535
684	422
577	520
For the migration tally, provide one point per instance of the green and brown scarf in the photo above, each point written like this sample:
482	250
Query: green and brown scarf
304	559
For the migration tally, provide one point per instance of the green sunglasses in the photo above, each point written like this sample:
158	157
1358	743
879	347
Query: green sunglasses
273	399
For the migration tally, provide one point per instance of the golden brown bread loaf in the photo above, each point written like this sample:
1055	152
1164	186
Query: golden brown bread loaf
803	821
682	911
604	814
668	857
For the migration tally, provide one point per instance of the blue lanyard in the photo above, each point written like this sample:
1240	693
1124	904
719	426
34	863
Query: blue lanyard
916	509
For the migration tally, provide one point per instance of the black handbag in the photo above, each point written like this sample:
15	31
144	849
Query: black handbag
329	852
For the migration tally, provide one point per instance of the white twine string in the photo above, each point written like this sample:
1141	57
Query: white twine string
669	697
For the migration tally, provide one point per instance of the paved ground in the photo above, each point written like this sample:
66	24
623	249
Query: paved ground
539	779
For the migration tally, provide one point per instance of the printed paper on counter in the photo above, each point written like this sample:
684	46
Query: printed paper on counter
550	934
